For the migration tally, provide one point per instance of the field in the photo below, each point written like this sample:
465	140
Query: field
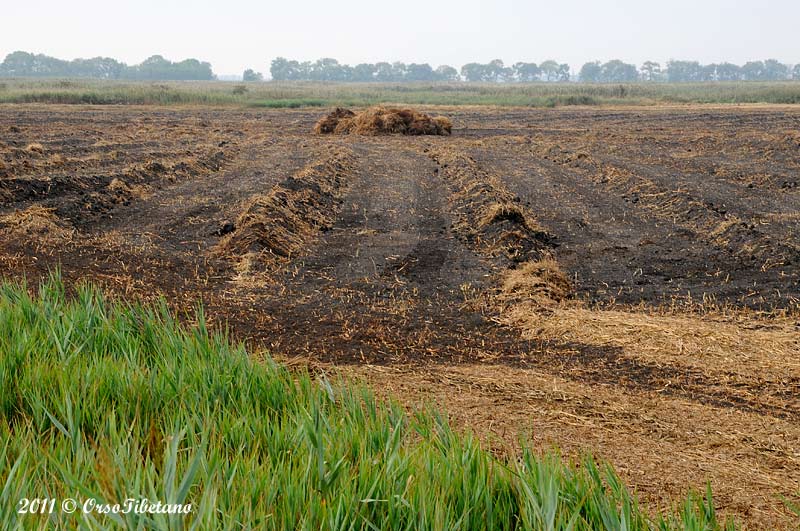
307	94
623	281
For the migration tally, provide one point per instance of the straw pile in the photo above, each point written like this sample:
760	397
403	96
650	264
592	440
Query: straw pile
382	121
540	283
282	221
35	148
35	223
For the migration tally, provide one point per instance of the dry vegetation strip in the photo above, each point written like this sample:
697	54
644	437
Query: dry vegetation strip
711	397
281	222
660	444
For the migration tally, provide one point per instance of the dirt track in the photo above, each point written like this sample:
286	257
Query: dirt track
677	358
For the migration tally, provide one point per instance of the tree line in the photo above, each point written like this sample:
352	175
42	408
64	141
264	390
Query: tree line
614	71
328	69
24	64
687	71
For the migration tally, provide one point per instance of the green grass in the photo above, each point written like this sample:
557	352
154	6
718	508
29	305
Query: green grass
112	401
288	103
292	94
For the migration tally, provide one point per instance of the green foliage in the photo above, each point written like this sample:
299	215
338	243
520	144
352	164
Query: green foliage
590	72
110	401
692	71
328	69
251	75
793	506
611	72
24	64
288	103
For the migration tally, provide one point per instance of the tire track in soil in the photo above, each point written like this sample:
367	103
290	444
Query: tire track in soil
620	251
651	419
386	283
645	191
600	237
189	216
602	364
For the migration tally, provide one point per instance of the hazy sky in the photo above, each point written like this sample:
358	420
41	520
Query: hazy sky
237	34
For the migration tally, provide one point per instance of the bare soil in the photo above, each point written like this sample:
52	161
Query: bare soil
676	355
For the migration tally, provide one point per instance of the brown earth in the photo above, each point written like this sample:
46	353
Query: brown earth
620	281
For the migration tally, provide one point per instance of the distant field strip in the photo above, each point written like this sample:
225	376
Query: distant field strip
305	94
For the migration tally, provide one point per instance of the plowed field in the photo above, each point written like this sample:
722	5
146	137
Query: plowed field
625	282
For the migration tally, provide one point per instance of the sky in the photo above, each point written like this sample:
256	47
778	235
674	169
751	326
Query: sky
238	34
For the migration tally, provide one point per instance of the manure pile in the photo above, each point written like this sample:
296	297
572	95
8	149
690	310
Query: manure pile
382	121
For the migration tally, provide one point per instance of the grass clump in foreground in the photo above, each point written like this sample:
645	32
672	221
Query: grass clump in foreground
110	401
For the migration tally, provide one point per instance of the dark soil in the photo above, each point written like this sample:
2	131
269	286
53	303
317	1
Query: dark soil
620	204
685	207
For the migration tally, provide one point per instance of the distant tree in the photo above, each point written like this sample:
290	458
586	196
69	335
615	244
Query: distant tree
191	69
252	75
728	72
550	70
446	73
384	72
326	69
683	71
24	64
419	72
650	71
279	69
775	70
399	71
494	70
708	73
157	68
345	73
563	72
754	71
474	72
97	67
590	72
282	69
154	67
526	72
615	71
364	72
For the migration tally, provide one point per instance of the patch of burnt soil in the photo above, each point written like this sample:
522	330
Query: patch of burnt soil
87	199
